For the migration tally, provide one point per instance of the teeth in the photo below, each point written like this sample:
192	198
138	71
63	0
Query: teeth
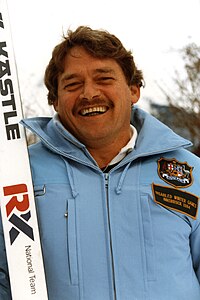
90	110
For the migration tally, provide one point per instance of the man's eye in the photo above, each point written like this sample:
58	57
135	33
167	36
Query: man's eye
105	80
72	85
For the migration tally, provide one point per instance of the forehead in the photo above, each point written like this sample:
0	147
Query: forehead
80	59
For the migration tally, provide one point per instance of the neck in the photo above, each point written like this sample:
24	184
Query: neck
104	153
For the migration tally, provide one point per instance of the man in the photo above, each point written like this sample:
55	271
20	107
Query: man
116	192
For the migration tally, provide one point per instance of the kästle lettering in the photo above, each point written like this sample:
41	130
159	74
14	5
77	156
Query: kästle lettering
6	90
1	21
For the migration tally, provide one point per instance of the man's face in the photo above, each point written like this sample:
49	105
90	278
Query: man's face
94	100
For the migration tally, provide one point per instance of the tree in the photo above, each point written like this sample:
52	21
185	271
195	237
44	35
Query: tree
183	103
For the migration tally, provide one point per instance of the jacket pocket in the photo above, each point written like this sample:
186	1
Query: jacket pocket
39	190
57	220
72	242
149	243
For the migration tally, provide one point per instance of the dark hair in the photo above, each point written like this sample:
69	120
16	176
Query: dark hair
99	43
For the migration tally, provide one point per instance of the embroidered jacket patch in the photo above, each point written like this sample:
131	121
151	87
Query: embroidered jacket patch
174	172
171	198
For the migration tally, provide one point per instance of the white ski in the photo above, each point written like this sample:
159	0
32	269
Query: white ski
18	212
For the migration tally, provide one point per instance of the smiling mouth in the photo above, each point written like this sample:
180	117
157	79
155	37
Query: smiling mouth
93	111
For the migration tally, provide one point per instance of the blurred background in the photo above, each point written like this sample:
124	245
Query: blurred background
163	36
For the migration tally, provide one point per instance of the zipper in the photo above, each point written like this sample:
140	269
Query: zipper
106	177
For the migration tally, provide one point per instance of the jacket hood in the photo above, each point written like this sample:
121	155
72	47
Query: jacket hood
153	136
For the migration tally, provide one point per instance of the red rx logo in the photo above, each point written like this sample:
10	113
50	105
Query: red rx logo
20	202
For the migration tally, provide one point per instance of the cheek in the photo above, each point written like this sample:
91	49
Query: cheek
64	106
124	100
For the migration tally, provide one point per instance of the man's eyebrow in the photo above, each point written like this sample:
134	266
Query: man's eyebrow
69	76
66	77
104	70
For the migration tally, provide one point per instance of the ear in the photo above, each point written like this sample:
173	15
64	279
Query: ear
135	93
55	105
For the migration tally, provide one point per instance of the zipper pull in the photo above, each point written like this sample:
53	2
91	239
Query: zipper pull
106	176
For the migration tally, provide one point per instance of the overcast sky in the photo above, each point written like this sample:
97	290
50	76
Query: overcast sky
150	28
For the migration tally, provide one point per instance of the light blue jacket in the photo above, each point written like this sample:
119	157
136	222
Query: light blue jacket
108	236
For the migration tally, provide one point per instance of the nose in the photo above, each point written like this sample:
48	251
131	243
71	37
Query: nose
90	91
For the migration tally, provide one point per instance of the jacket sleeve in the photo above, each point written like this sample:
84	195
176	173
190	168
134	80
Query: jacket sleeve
5	292
195	250
195	224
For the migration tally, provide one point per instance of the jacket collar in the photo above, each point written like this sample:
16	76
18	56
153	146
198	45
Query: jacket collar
153	137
